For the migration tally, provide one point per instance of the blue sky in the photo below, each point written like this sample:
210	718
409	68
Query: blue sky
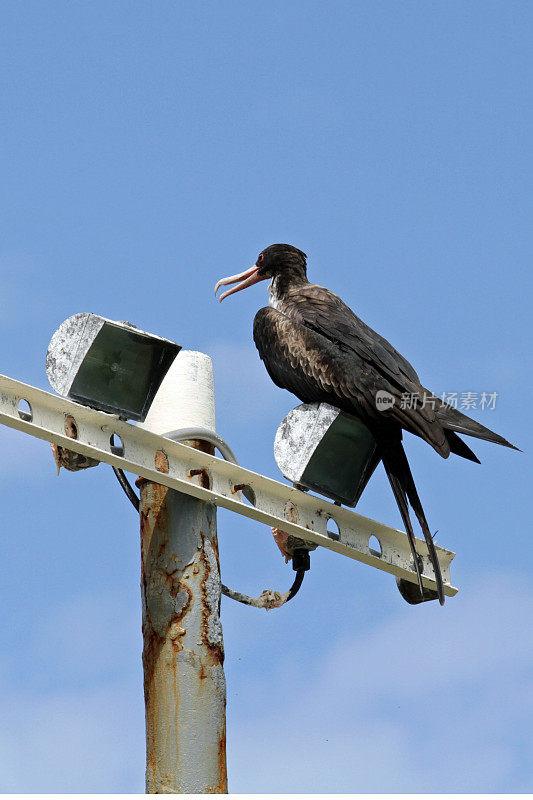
149	149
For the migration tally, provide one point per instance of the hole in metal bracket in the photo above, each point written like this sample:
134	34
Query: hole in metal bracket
333	530
247	492
116	444
24	410
374	545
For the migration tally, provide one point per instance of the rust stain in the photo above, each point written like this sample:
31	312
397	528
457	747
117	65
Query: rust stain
222	785
161	461
291	512
205	480
190	597
71	427
222	765
175	634
152	644
153	765
204	447
153	519
175	586
216	651
214	542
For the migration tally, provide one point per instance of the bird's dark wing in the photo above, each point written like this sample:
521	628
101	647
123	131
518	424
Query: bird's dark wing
319	350
329	315
306	363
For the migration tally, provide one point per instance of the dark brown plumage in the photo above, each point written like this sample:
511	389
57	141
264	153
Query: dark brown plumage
315	346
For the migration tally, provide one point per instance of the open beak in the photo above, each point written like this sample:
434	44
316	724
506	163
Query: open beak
247	278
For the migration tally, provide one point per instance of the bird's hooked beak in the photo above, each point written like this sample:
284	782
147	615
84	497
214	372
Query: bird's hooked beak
247	278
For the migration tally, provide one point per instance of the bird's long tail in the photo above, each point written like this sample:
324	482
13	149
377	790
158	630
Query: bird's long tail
402	484
453	420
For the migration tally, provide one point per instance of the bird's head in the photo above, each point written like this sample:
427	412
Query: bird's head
274	260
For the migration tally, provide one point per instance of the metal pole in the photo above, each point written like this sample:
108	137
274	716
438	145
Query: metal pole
183	653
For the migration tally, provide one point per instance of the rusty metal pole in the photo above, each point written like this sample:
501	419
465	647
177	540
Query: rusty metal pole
183	653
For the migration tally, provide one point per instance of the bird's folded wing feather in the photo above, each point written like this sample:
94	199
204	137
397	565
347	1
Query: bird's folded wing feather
319	350
329	315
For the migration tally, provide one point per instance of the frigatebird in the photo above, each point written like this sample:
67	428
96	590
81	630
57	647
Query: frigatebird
314	345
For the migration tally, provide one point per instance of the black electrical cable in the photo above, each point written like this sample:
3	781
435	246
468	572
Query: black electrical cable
301	562
126	485
300	558
296	585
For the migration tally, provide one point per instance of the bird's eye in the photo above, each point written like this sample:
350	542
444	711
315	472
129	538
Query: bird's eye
260	258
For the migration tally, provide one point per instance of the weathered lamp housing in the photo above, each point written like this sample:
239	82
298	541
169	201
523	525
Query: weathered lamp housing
110	366
319	447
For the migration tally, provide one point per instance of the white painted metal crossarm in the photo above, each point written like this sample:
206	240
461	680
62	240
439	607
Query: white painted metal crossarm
276	504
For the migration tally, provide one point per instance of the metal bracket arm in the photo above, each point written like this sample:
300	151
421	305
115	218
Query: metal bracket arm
187	470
